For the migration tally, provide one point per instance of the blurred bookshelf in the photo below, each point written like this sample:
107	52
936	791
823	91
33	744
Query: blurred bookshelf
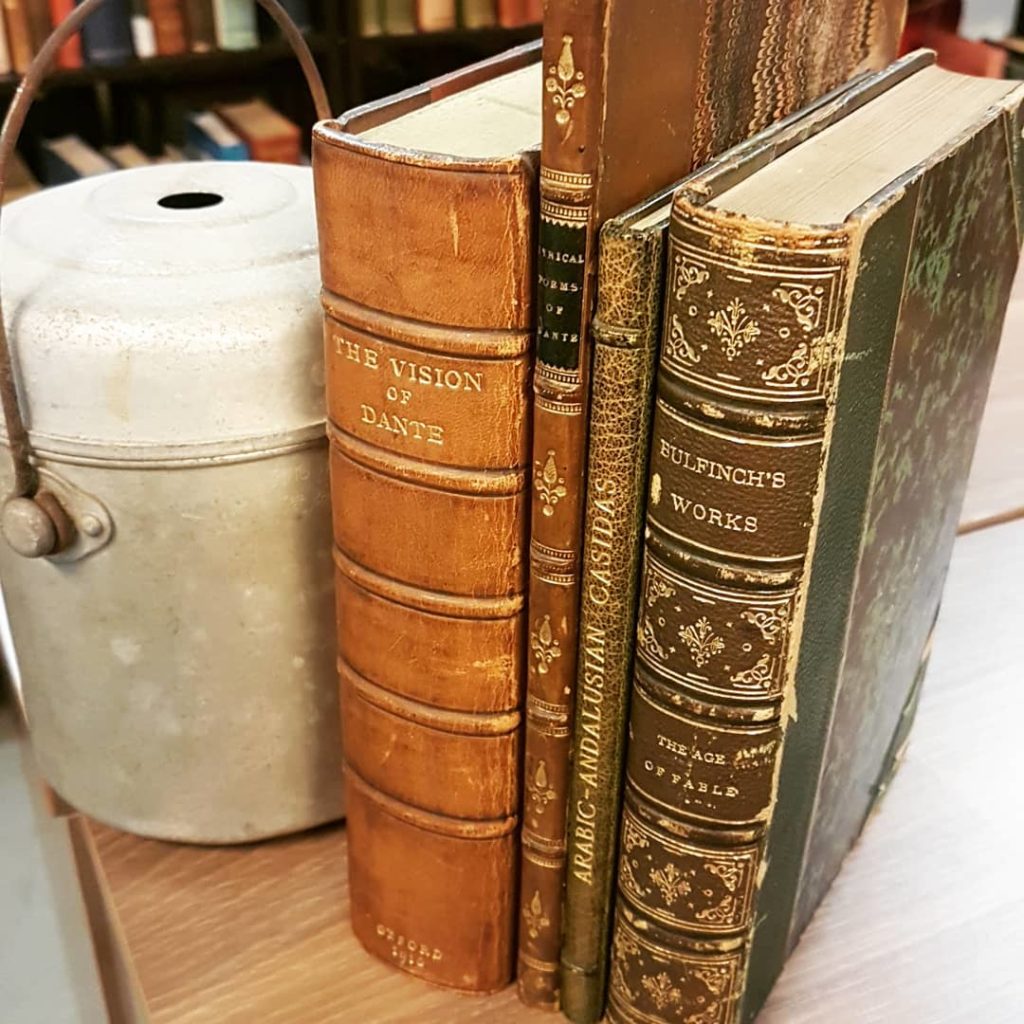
143	100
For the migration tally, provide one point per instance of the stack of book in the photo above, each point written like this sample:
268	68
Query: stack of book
405	17
656	355
123	29
252	130
655	362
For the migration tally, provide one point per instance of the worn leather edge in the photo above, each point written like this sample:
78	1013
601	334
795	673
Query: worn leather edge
430	601
420	336
458	828
462	723
483	483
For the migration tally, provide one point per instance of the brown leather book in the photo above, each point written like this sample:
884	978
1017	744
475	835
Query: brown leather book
478	13
168	18
70	54
39	23
200	27
436	15
398	17
834	302
636	96
269	136
19	35
511	13
425	207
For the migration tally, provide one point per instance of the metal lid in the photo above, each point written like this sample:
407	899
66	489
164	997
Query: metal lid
167	312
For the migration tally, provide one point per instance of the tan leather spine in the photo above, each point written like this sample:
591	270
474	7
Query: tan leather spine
19	34
427	266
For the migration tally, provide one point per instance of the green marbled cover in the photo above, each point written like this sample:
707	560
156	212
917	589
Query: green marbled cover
961	222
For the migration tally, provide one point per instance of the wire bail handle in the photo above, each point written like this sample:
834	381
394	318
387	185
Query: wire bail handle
32	520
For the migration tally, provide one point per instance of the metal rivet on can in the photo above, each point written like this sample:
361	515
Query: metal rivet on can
27	528
91	526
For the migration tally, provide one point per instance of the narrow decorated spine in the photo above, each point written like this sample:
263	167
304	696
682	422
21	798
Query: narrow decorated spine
626	327
427	268
565	269
753	326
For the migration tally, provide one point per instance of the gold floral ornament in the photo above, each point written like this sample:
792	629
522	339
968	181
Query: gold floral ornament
687	275
729	874
734	327
534	916
545	647
669	879
702	642
538	790
721	913
714	979
565	85
676	345
647	639
550	486
757	678
624	946
661	990
769	623
795	372
804	299
657	588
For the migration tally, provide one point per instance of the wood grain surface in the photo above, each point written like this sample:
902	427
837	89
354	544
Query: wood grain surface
925	924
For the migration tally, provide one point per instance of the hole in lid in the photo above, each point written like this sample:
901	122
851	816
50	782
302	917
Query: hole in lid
190	200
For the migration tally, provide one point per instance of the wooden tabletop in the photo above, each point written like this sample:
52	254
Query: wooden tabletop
925	924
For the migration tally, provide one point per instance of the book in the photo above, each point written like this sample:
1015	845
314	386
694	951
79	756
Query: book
371	18
626	330
398	17
70	54
235	24
615	133
207	134
435	15
268	135
298	11
18	34
169	31
143	32
478	13
126	155
826	356
20	180
512	13
107	34
428	343
69	158
202	33
169	155
6	67
39	24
